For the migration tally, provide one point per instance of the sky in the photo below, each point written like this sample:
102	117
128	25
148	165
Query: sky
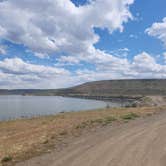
47	44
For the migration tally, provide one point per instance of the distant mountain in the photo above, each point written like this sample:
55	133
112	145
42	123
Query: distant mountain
102	88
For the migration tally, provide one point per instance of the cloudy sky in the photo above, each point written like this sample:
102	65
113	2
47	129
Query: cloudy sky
61	43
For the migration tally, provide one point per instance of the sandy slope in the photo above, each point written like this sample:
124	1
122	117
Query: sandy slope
138	143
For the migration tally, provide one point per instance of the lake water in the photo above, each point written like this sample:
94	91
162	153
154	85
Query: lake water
12	107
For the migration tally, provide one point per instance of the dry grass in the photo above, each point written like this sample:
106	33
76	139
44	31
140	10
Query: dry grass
21	139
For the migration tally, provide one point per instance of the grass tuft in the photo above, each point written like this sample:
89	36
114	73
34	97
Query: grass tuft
6	159
45	141
63	133
82	125
109	120
129	116
101	121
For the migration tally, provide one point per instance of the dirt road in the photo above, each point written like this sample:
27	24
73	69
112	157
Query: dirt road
138	143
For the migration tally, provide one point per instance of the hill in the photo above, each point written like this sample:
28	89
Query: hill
104	88
122	87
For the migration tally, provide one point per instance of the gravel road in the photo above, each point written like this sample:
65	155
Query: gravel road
141	142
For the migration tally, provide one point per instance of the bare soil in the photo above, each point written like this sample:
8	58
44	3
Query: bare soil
137	143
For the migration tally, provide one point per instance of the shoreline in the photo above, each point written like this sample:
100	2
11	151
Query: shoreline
107	103
139	101
19	137
83	96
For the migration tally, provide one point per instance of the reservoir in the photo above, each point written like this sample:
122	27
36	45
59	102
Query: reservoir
14	107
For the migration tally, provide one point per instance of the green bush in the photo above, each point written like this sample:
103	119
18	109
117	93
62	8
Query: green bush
131	105
6	159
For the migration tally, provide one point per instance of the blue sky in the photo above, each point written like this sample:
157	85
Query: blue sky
71	42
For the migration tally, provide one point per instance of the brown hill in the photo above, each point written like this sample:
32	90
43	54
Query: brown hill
101	88
120	87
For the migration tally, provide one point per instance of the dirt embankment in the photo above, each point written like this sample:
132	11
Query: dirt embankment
150	101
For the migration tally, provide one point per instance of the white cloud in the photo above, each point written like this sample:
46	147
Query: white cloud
96	57
58	25
142	66
19	67
68	60
108	66
158	30
16	73
2	50
40	55
133	36
164	54
145	65
122	52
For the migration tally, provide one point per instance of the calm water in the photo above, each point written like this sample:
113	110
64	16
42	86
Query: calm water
12	107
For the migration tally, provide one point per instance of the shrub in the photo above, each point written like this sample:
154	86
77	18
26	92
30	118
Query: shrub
6	159
82	125
130	116
131	105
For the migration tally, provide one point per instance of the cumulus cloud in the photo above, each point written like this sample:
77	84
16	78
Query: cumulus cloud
16	73
142	66
2	50
158	30
122	52
68	60
59	25
164	54
147	67
19	67
96	57
53	26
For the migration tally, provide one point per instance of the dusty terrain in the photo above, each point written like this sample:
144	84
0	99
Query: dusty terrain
23	139
137	143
